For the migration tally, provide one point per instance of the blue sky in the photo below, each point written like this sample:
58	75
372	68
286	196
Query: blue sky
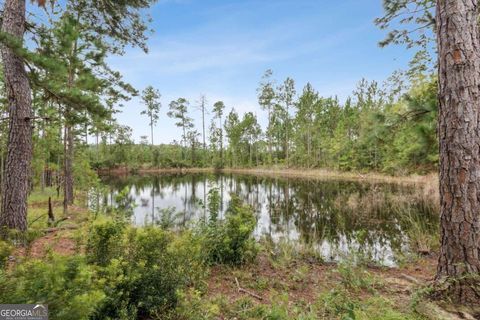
221	48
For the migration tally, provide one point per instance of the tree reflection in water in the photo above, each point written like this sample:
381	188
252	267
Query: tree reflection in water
335	217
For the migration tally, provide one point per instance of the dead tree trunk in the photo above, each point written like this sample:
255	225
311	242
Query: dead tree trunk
13	213
459	127
51	216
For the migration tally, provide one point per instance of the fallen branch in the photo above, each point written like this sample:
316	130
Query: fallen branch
240	289
38	218
409	278
50	230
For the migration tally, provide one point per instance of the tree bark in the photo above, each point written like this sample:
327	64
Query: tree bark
221	142
68	168
459	127
51	216
19	155
1	172
203	122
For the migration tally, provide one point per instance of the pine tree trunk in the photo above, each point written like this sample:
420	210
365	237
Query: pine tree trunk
287	140
151	129
221	144
459	126
69	138
2	163
68	168
19	155
203	125
97	147
270	149
70	156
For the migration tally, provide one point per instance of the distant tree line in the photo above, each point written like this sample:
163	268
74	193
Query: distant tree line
382	128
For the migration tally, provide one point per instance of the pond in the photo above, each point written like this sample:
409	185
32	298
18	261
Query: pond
334	217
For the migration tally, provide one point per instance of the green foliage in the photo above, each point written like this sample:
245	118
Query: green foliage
127	273
5	251
193	306
168	217
85	176
354	276
334	304
380	128
230	241
151	99
104	241
214	204
142	269
411	23
340	304
67	284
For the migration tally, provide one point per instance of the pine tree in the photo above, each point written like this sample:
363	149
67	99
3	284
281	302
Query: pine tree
151	99
458	36
218	109
179	111
266	99
13	213
113	25
285	97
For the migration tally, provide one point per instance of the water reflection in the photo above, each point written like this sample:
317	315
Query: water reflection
334	216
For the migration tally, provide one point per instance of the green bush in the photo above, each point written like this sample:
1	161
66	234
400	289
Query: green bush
104	241
67	284
143	269
231	241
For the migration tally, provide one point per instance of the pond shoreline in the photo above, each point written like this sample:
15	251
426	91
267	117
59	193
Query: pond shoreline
298	274
317	174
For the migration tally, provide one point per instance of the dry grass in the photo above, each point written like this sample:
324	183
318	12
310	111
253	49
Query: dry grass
320	174
128	171
324	174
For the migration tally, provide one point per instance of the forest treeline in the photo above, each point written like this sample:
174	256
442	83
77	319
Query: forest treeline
379	128
75	96
384	128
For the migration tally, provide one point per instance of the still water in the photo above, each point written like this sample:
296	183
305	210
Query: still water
334	217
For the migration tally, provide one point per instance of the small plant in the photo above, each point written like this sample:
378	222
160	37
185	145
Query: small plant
285	252
337	303
5	251
124	204
231	241
193	306
168	217
213	204
423	238
354	276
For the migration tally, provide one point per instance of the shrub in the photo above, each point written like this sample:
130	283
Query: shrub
103	242
67	284
231	241
143	269
167	218
214	202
